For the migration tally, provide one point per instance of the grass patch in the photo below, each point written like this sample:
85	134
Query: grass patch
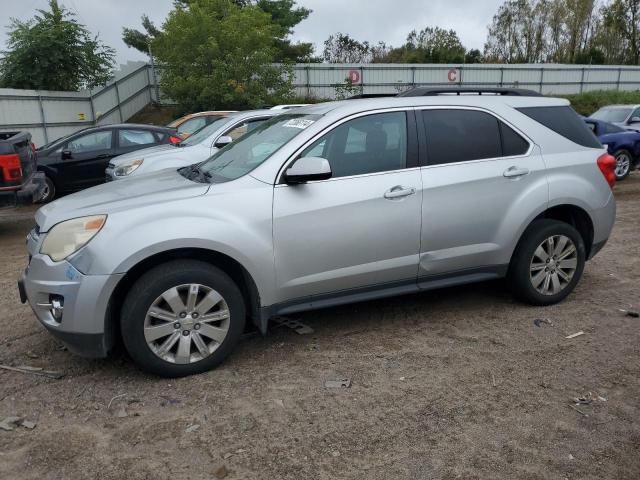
588	102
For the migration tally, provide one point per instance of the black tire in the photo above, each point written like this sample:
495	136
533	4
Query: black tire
158	280
519	270
620	153
50	191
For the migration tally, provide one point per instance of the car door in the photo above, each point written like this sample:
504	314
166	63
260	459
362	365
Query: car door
481	179
84	159
361	227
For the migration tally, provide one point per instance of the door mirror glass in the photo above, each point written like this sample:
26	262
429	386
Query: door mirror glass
223	141
308	169
66	154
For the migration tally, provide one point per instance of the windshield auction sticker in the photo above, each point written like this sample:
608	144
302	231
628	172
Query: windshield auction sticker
301	123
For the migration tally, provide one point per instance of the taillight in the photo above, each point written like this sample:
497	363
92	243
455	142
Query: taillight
607	165
175	140
10	166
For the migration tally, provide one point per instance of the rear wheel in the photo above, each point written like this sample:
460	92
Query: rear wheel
48	192
623	164
548	262
181	318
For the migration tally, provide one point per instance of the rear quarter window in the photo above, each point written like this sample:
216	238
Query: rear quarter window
565	122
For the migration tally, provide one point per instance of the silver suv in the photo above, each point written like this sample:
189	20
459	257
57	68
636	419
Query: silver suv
329	204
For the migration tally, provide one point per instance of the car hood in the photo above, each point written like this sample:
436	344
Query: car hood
126	194
151	152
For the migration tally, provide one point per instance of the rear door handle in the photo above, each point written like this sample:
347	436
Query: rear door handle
398	192
513	172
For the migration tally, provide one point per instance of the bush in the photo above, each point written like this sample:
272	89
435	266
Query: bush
588	102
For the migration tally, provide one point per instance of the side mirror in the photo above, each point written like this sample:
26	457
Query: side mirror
66	154
633	120
223	141
308	169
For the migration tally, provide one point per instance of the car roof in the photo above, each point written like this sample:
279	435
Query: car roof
346	107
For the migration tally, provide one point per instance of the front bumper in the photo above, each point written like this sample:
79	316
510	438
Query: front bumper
28	193
83	325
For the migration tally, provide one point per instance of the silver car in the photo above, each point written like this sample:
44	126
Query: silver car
198	147
333	203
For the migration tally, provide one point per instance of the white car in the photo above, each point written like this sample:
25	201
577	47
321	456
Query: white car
198	147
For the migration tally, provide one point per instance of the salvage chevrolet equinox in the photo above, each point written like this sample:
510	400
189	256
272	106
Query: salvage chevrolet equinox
329	204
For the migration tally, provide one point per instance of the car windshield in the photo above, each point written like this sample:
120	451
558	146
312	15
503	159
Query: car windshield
615	115
246	153
204	133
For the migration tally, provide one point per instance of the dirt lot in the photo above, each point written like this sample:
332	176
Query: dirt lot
457	383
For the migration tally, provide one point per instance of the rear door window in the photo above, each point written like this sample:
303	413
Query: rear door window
135	138
461	135
512	143
565	122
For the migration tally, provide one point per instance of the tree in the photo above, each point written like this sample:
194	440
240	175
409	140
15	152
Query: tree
473	56
618	33
141	41
215	54
284	14
341	48
53	51
430	45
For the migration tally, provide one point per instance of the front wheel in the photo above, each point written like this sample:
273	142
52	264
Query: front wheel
548	262
181	318
623	164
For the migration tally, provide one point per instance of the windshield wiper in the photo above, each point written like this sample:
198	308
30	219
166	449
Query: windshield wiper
194	172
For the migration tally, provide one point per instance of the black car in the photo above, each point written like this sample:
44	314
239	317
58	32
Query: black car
78	161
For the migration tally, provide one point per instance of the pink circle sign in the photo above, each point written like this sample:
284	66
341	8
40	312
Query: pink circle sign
354	76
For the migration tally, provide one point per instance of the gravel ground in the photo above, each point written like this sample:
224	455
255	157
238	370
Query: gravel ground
456	383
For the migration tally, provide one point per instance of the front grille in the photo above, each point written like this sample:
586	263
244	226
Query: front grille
111	165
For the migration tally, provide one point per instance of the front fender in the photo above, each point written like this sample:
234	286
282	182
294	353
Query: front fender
233	219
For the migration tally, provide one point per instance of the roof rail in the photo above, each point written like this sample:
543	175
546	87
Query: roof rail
372	95
431	91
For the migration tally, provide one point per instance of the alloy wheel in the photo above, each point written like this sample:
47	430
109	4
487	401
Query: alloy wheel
623	163
553	265
187	323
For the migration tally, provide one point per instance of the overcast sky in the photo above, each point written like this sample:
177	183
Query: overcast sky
372	20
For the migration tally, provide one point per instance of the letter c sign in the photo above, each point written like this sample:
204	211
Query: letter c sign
452	75
354	76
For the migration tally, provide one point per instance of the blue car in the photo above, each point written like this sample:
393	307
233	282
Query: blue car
622	144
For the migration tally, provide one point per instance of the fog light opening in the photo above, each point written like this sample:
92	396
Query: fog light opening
57	307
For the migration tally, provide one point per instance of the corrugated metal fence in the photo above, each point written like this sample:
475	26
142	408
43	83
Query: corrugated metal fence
320	80
50	115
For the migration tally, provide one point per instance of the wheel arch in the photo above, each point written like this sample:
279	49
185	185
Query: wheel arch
238	273
571	214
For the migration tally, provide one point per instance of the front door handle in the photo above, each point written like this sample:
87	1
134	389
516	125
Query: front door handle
104	155
514	172
398	192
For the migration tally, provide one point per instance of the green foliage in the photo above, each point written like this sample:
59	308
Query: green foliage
284	15
588	102
565	31
215	54
430	45
53	51
141	41
347	89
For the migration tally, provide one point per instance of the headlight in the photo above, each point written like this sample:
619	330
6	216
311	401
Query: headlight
69	236
127	168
